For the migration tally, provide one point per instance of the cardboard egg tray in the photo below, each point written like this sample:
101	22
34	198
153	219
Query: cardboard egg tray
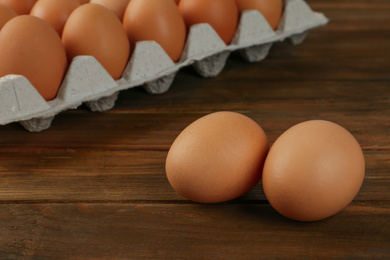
86	81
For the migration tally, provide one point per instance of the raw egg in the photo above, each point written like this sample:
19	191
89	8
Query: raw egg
19	6
117	6
83	1
222	15
94	30
313	170
156	20
271	9
217	158
6	14
31	47
55	12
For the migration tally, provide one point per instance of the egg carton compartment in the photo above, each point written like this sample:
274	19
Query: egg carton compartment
86	81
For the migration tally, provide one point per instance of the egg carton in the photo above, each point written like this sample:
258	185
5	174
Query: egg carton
87	82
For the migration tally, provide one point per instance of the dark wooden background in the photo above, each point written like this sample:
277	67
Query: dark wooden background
94	186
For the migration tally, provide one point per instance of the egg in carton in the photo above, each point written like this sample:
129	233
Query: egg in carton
86	81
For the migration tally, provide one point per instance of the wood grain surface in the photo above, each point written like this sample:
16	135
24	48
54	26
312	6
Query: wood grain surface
93	186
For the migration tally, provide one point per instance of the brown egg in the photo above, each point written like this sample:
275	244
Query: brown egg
217	158
117	6
94	30
271	9
313	170
6	14
19	6
31	47
156	20
55	12
83	1
222	15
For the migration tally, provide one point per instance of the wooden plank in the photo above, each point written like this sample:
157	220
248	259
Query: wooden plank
143	121
346	45
370	129
123	175
350	15
348	4
359	18
180	231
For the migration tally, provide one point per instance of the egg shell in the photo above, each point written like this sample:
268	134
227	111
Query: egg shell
313	170
117	6
222	15
94	30
54	12
156	20
42	61
6	14
19	6
151	67
271	9
217	158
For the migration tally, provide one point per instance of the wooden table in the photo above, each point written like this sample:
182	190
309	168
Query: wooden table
94	186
